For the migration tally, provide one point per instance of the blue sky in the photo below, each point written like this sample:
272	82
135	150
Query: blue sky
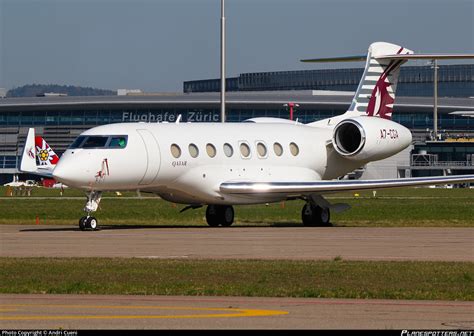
155	45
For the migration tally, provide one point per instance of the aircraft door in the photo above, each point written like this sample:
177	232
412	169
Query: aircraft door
153	156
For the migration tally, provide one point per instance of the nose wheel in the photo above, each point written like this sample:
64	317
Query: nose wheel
88	223
220	215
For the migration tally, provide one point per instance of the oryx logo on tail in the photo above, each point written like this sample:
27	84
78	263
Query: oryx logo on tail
381	100
375	94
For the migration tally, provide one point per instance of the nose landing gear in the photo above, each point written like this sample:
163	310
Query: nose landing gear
88	222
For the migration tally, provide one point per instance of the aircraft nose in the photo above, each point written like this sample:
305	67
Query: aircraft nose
59	173
65	173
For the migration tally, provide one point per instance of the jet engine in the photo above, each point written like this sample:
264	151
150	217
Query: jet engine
369	138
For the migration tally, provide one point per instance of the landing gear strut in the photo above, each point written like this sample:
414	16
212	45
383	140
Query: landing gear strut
314	215
88	222
220	215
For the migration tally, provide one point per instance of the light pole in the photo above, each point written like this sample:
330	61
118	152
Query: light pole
291	107
222	61
434	65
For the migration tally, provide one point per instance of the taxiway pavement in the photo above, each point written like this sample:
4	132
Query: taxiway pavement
159	312
296	243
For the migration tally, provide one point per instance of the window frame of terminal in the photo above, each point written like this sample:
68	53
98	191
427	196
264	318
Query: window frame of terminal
108	143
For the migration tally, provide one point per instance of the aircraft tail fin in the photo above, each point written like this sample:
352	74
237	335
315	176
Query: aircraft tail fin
28	159
38	157
375	94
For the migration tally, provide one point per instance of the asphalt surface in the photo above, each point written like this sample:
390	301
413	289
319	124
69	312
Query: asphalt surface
428	244
158	312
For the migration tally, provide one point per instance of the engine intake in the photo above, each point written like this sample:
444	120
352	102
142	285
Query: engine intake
369	138
349	137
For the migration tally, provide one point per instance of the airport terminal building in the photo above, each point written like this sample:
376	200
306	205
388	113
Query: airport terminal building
414	81
61	119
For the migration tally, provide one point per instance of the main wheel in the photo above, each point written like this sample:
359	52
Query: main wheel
219	215
91	223
226	215
315	215
212	215
325	217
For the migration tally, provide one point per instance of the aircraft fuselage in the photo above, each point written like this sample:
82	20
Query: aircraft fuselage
186	163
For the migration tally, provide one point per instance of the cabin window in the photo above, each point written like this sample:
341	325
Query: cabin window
278	149
228	150
211	150
261	150
175	150
294	149
244	150
193	150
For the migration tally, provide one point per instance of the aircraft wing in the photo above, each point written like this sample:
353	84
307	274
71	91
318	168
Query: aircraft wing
321	187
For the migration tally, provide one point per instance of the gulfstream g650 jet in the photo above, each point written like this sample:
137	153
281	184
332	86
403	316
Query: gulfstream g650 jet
258	161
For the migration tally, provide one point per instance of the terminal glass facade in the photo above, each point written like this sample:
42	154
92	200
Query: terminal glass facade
106	116
416	81
90	118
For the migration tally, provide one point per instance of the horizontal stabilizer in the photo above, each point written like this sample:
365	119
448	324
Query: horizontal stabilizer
336	59
389	57
426	56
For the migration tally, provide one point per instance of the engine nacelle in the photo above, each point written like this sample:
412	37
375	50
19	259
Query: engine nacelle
370	138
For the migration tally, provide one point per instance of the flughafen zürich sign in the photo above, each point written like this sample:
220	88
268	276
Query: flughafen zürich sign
189	116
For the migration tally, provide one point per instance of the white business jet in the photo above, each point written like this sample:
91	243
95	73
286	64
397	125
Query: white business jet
260	160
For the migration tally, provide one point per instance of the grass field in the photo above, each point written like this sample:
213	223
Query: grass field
329	279
396	207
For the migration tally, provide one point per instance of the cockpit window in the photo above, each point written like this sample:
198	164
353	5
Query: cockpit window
100	141
118	142
78	142
95	142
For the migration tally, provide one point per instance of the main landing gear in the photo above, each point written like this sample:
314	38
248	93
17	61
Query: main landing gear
220	215
311	214
88	222
314	215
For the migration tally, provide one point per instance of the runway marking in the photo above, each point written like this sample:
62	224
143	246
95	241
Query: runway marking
224	312
164	257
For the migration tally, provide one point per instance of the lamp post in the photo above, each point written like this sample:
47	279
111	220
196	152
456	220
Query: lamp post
434	65
222	61
291	107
